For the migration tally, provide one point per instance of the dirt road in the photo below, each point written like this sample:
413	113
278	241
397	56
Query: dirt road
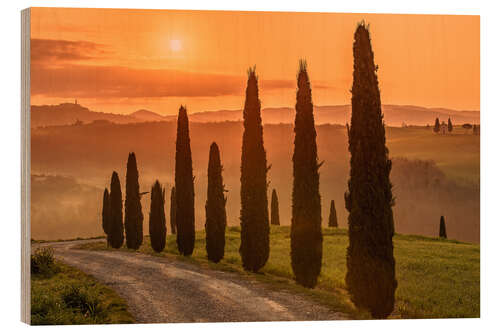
161	290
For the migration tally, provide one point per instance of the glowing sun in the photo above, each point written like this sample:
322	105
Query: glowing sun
175	45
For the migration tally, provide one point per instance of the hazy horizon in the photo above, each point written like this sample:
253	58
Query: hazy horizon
198	59
240	108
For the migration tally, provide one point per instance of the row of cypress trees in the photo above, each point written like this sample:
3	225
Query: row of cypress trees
370	277
112	218
182	203
437	125
112	209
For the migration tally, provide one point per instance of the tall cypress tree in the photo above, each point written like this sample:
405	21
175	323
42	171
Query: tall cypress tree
106	213
157	221
442	228
254	214
275	209
184	186
332	220
450	125
115	235
173	222
306	237
370	277
215	208
133	207
437	126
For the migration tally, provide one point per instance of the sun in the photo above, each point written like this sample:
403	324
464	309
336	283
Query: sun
175	45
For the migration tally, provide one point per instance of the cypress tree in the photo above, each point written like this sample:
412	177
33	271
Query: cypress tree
106	213
437	126
173	226
254	214
370	277
115	235
157	221
215	208
332	221
450	125
133	207
184	186
442	228
275	209
306	237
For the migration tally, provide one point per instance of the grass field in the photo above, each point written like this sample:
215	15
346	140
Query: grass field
68	296
457	154
436	278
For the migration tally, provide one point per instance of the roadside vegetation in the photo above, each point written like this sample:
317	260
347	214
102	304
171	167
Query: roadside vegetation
40	241
437	278
63	295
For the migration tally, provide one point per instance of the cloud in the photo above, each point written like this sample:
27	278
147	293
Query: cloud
54	50
85	81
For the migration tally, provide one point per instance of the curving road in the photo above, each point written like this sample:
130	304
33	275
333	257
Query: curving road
161	290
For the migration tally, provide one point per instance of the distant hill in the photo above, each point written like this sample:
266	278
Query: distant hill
394	115
69	113
424	190
146	115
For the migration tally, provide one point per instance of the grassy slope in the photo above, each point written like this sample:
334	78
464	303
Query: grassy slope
456	154
437	278
49	308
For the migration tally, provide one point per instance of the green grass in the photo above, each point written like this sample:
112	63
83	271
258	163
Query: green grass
456	154
69	296
436	278
41	241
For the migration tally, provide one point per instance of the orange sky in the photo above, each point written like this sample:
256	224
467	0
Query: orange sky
124	60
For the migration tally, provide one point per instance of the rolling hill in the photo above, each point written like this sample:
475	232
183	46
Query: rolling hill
394	115
146	115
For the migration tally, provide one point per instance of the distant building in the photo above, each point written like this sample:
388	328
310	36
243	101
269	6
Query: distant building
444	128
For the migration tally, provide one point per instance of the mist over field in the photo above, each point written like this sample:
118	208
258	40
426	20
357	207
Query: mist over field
432	175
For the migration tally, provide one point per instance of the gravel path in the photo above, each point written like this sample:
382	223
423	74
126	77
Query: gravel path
161	290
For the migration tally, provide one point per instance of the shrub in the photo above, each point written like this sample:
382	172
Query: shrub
85	301
43	263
